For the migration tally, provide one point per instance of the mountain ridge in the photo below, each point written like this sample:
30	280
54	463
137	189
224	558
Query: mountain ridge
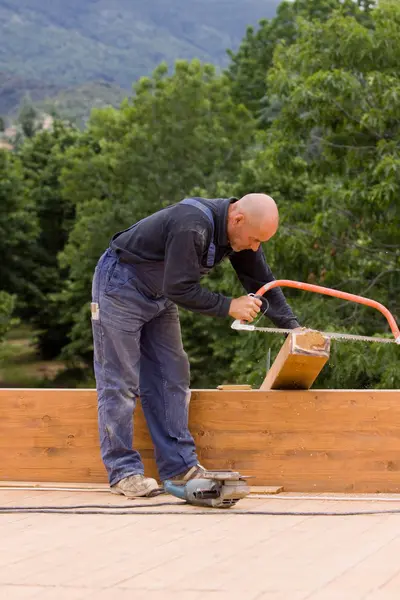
49	48
70	42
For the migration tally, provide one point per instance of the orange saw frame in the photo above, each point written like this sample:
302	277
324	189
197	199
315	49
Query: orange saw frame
309	287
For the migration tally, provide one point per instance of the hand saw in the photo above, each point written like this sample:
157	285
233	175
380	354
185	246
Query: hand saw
239	325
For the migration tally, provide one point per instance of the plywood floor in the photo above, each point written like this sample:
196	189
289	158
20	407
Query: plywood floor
221	556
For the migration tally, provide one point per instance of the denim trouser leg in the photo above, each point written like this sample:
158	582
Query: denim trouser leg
164	392
137	339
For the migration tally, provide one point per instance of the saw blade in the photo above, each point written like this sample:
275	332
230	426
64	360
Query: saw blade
336	336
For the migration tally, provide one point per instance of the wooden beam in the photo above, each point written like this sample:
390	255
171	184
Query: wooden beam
51	486
103	487
299	362
304	441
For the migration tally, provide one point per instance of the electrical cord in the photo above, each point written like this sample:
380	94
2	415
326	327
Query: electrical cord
124	509
152	509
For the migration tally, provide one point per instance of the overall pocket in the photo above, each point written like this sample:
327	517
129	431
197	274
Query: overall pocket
119	275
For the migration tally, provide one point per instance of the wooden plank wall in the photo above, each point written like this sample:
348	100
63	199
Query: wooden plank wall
306	441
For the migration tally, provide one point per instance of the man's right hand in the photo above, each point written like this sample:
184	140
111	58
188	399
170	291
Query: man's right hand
245	308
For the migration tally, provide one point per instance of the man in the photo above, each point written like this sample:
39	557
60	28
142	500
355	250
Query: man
149	270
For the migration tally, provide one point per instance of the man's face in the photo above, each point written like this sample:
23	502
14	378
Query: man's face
247	236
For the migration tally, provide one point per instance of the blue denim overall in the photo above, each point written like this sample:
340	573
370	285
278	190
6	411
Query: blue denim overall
138	351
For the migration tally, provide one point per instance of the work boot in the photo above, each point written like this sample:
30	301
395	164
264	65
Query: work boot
195	472
135	486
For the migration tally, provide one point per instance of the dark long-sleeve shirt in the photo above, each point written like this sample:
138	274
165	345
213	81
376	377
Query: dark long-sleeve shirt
176	239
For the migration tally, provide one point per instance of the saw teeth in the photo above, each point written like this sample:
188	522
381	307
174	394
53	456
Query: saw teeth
331	335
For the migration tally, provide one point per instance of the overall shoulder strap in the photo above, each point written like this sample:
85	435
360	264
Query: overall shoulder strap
208	213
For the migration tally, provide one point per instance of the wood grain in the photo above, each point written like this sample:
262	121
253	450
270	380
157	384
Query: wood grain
304	440
298	363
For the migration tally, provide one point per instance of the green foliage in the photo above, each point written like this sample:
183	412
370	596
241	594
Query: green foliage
28	119
331	160
7	304
250	64
328	76
18	229
180	130
42	158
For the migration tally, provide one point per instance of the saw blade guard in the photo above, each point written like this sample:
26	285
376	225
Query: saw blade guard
309	287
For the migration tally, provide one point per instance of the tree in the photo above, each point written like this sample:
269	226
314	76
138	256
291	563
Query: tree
331	159
250	64
42	158
18	229
28	121
180	130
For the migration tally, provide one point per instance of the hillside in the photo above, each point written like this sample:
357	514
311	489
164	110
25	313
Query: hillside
67	42
14	88
75	103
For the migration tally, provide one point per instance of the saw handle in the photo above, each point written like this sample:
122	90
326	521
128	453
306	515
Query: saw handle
309	287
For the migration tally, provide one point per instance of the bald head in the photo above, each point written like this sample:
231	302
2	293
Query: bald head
253	219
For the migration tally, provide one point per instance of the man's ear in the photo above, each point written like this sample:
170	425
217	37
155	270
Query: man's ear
239	219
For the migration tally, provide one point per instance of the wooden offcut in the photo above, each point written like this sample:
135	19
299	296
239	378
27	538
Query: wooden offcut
303	441
266	490
234	386
299	362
